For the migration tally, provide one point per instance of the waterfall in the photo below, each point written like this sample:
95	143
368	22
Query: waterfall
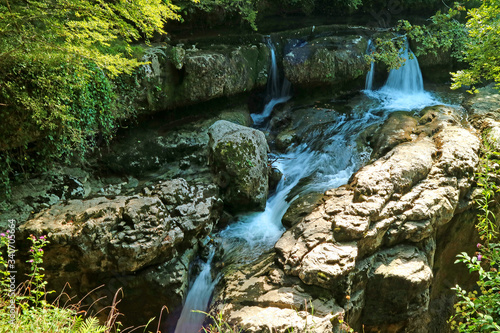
278	89
197	299
369	77
326	158
404	87
407	78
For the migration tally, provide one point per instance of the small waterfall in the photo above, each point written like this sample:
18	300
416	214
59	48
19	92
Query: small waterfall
404	88
325	159
407	78
369	77
278	89
197	299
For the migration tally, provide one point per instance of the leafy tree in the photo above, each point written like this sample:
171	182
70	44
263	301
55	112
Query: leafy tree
482	49
471	34
59	67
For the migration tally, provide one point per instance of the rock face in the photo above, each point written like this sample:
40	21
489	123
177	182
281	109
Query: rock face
176	148
365	254
198	71
147	241
184	75
238	159
325	59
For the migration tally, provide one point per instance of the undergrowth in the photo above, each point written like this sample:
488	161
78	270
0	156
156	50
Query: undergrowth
24	307
479	310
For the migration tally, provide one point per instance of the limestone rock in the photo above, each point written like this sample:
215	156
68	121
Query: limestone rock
184	75
399	280
178	152
238	159
129	242
301	207
398	128
259	298
370	245
325	60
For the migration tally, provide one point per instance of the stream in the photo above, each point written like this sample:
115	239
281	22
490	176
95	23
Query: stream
326	158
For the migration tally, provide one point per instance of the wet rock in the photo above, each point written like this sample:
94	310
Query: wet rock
370	245
275	176
136	238
285	139
238	159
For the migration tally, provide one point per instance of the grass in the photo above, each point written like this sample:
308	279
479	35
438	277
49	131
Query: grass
24	308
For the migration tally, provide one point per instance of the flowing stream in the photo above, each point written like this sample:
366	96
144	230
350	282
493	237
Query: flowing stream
325	159
278	89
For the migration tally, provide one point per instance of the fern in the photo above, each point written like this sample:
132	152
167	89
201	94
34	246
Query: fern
91	325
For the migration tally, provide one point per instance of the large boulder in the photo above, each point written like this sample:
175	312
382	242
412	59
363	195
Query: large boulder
238	160
184	74
330	59
139	243
175	147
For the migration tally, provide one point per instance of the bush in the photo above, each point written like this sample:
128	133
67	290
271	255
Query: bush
479	310
24	308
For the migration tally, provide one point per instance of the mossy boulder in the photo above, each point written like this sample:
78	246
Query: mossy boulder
182	75
326	60
238	160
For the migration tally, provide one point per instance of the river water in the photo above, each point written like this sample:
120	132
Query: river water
326	158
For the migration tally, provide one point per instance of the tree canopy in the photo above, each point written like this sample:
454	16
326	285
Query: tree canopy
81	30
59	67
470	31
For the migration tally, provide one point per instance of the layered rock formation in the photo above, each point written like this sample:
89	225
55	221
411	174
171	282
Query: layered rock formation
201	70
142	243
365	254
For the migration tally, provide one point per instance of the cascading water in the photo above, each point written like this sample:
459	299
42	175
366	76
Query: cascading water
278	90
326	158
371	74
197	299
404	88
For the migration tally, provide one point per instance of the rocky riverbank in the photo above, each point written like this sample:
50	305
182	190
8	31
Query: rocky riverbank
376	253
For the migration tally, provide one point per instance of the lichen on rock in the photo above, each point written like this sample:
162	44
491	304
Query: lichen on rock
238	160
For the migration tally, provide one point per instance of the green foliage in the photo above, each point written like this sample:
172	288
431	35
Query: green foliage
388	51
479	311
81	31
218	324
247	9
61	66
487	225
471	34
33	313
482	47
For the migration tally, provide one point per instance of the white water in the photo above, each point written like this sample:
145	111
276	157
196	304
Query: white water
278	90
324	160
404	88
369	77
197	299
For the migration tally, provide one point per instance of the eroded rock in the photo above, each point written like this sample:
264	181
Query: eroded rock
369	245
129	242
